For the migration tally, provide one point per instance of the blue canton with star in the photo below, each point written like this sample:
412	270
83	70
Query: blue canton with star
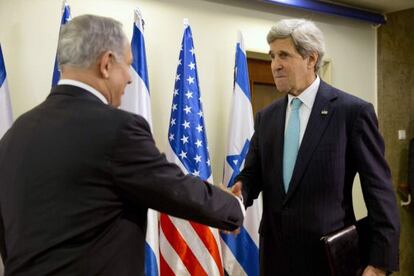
186	133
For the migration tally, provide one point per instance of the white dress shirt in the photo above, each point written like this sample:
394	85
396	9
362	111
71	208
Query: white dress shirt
308	98
84	86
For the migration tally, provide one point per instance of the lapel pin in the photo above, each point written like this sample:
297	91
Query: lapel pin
324	112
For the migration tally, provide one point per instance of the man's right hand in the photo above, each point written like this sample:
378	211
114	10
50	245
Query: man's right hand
373	271
237	189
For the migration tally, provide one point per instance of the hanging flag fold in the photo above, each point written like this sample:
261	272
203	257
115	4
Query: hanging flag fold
65	19
136	99
188	248
6	116
241	252
137	94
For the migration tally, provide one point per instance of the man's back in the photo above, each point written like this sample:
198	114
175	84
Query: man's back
55	160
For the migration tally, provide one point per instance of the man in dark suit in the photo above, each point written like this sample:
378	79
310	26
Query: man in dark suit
304	155
77	174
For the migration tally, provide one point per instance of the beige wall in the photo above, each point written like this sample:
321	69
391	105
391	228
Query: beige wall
29	31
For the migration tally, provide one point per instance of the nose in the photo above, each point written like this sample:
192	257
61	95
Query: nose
276	65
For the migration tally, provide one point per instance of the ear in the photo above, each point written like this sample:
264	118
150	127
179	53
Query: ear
312	59
105	64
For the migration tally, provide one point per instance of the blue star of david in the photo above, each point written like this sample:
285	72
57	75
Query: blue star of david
236	161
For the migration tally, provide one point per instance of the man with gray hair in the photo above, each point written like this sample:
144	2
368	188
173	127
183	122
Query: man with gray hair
304	155
77	174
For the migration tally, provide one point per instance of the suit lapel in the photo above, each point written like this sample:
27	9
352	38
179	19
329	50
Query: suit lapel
278	144
322	111
273	134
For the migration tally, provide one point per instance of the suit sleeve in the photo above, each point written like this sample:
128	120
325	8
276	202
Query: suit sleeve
251	176
383	217
146	178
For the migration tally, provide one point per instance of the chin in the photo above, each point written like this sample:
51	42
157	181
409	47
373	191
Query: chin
282	89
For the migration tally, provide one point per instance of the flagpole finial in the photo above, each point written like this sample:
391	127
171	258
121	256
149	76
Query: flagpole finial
239	35
66	10
186	22
240	40
138	13
138	18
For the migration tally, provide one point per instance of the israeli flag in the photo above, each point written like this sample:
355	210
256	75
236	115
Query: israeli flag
137	100
65	19
6	117
241	252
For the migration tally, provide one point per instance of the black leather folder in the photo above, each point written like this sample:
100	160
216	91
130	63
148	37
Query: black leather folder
345	250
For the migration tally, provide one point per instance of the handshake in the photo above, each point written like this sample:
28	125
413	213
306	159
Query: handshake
235	190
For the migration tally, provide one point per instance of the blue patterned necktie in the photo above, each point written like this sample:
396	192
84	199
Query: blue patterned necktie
291	144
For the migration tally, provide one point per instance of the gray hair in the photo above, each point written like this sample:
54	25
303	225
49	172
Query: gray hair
306	37
83	39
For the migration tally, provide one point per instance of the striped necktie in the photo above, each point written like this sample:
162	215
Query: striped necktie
291	143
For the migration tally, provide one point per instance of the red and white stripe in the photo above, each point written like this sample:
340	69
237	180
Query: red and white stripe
186	247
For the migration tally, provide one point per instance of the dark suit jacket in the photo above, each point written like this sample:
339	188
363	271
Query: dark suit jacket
76	179
334	148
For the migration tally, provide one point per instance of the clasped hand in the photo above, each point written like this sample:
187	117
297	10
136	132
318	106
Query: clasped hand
235	190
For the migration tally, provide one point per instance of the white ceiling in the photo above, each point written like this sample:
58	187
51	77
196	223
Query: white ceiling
378	6
381	6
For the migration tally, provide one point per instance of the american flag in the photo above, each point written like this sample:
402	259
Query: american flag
188	248
65	19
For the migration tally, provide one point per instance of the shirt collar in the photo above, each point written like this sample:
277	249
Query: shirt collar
85	87
308	95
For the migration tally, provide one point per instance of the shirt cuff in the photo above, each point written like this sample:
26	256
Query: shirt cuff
240	200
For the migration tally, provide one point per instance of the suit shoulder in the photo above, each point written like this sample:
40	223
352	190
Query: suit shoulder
352	107
121	115
29	115
128	119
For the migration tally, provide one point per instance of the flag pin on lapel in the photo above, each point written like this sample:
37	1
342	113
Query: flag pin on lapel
324	112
